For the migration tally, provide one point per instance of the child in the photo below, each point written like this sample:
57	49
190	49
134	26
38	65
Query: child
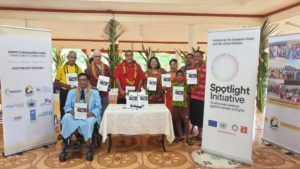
180	108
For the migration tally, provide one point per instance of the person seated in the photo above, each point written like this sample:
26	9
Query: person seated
91	100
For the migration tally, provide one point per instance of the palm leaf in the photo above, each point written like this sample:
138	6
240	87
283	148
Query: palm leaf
113	30
267	29
147	53
182	55
57	58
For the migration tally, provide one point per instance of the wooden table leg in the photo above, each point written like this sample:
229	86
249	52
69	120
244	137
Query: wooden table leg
163	142
109	143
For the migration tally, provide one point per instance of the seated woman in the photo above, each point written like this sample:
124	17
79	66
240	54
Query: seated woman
83	94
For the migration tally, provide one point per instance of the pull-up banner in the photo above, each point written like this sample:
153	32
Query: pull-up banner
232	63
26	88
282	120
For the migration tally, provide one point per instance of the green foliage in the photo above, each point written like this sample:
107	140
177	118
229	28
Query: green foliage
183	54
56	58
267	29
112	31
147	53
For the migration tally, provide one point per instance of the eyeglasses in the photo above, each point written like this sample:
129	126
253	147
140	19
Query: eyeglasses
97	56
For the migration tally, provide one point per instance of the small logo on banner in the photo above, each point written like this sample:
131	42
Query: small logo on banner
18	105
29	90
32	115
274	123
44	89
31	103
212	123
234	127
223	125
9	92
45	113
46	102
244	129
17	118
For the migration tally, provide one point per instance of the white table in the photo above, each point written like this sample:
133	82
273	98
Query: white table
156	119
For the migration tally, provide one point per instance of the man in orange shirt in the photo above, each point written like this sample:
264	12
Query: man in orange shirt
128	74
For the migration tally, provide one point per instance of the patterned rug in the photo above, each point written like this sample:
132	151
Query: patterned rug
145	152
212	161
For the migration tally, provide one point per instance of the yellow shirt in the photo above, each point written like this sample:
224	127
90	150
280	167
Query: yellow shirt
63	70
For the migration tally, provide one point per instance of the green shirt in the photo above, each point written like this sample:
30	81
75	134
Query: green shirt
185	93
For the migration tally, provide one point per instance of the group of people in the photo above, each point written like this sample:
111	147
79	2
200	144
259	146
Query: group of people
284	73
128	73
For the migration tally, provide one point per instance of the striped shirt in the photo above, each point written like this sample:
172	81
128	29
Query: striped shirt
198	92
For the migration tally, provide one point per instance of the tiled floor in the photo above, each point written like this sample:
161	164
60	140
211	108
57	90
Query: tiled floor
143	152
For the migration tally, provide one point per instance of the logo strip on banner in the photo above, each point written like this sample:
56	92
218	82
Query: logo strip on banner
230	91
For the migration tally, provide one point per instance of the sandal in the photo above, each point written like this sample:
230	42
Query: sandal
189	142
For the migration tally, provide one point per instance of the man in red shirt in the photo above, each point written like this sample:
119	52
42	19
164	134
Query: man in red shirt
198	94
128	73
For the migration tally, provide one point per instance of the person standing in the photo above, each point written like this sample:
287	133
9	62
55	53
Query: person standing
180	110
69	70
95	69
197	94
128	74
173	69
155	71
189	63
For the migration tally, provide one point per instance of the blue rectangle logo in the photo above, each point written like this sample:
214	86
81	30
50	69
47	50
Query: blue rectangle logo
32	115
212	123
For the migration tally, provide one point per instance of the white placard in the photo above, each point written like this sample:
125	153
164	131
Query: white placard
103	83
132	99
143	100
166	80
191	76
72	79
26	89
230	91
129	89
178	93
151	83
80	111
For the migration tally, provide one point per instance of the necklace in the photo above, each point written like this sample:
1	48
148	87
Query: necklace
131	83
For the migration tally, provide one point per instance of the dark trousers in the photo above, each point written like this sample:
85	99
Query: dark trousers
121	101
62	101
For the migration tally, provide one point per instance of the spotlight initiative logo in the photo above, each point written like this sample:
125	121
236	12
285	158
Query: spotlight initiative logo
225	67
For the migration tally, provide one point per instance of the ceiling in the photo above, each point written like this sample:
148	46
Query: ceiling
249	7
147	20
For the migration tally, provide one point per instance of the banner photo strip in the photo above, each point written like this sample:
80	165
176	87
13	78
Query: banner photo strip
229	111
26	88
282	119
